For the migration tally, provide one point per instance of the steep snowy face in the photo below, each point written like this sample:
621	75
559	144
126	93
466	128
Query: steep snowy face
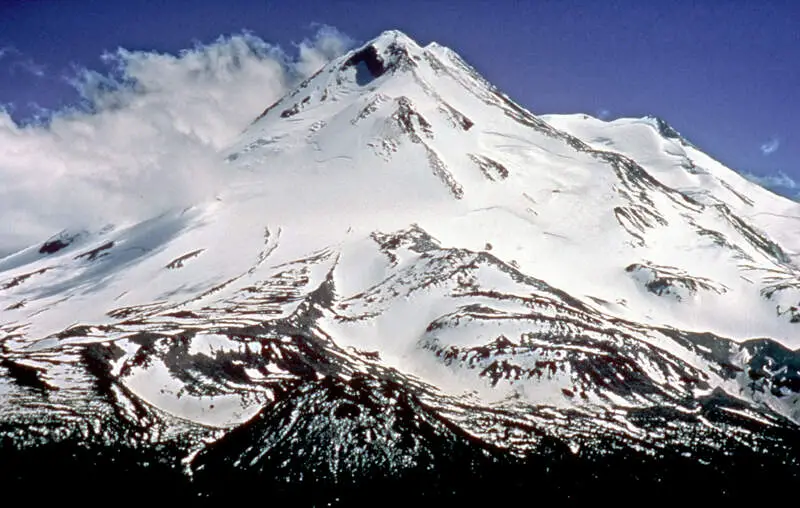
766	278
677	163
402	249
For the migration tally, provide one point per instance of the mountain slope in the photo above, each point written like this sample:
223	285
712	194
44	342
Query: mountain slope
407	262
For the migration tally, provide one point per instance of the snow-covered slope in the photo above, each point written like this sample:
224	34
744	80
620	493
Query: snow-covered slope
676	162
397	233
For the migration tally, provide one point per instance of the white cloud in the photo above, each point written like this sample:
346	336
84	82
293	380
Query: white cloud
770	146
148	136
603	114
328	44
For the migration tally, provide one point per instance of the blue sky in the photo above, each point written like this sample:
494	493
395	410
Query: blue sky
723	73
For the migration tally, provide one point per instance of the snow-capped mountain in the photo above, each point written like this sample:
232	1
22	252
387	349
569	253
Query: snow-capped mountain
410	272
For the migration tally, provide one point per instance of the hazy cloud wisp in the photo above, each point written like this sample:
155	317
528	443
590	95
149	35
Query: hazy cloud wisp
779	182
148	137
27	65
17	62
770	146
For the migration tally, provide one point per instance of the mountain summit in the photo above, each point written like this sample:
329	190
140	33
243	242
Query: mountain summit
413	278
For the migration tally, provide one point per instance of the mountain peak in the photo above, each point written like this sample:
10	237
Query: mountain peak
394	36
404	259
390	50
665	129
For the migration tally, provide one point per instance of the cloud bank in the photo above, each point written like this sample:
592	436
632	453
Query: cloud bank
147	135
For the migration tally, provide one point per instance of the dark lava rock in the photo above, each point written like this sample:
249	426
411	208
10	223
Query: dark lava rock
368	63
